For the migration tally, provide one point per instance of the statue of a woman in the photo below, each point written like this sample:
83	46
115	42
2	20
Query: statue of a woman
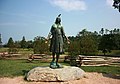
56	44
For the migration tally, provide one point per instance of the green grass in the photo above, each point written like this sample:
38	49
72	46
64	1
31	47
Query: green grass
25	51
11	68
20	50
3	49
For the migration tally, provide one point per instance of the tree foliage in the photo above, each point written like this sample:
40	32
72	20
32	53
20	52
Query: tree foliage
110	41
74	48
23	43
39	45
116	4
12	47
88	44
10	43
29	44
85	42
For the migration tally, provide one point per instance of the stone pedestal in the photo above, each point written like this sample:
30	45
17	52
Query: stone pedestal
61	74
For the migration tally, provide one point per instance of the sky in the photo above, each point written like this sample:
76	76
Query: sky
31	18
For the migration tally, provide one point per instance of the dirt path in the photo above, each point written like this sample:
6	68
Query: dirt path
90	78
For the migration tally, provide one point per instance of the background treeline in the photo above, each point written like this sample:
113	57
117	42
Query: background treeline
85	43
89	43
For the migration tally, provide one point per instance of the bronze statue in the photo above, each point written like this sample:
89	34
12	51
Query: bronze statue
56	44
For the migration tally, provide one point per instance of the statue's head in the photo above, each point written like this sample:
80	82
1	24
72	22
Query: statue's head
58	19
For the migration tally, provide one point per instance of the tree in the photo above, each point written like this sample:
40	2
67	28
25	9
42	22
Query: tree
73	51
74	48
116	4
88	45
110	41
30	44
106	31
39	45
115	31
87	42
118	31
23	43
106	43
12	48
0	41
84	32
10	43
116	41
17	44
102	31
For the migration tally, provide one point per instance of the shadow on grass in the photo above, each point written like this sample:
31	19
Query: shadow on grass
25	72
111	76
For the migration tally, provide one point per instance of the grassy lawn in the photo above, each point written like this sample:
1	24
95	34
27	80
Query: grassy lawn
3	49
11	68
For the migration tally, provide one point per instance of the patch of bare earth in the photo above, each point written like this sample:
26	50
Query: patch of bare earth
90	78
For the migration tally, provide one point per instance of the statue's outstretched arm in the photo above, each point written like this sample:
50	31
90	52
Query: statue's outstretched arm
64	36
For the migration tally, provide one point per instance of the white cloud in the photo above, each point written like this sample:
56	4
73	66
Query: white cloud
109	2
69	5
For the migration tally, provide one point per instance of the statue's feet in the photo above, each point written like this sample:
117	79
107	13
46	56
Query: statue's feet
55	65
59	65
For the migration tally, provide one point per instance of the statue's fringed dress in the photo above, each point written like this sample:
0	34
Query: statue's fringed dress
58	35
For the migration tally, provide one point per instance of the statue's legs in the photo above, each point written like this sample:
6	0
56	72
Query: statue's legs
57	64
54	64
53	54
57	57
